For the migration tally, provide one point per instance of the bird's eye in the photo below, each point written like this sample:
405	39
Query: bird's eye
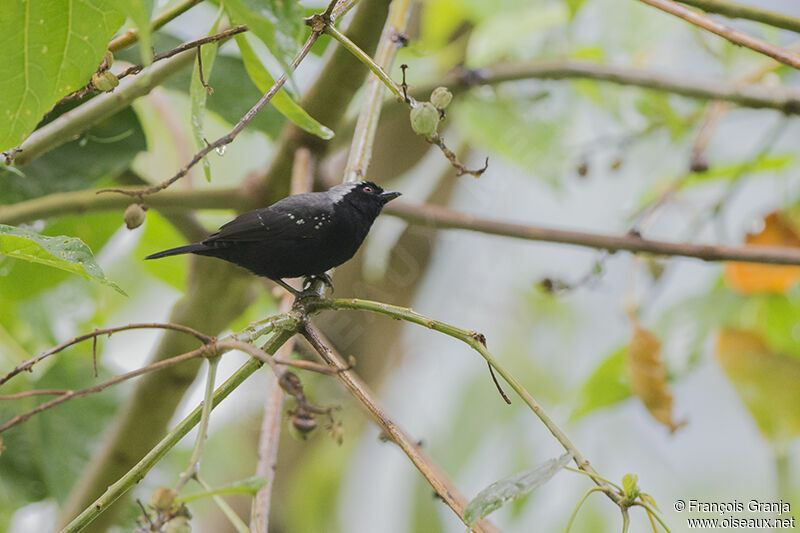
367	188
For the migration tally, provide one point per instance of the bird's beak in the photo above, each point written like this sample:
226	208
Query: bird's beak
388	196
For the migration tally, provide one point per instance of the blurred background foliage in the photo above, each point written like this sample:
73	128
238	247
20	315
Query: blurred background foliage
585	331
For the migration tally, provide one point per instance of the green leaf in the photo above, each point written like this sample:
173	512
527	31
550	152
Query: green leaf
278	23
49	50
498	493
198	93
574	6
282	101
609	384
245	486
66	253
139	11
629	485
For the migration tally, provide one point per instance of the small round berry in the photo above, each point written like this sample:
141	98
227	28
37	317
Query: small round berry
104	81
425	119
441	97
134	216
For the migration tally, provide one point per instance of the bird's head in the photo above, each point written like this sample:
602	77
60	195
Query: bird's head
362	195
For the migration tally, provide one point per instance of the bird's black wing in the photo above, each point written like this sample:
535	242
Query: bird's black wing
273	222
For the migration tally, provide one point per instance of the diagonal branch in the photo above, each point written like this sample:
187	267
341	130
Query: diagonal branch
733	35
444	488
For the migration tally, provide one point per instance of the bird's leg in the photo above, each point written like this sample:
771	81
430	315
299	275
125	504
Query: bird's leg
288	287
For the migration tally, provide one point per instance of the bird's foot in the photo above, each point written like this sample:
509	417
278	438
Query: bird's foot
308	284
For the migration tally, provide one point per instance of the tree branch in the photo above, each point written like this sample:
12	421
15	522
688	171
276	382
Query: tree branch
442	217
735	36
478	343
448	492
735	10
754	96
361	146
74	122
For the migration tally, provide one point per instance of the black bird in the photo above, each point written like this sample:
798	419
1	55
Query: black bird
301	235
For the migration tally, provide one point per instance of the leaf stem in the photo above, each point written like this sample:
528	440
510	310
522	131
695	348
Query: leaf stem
578	506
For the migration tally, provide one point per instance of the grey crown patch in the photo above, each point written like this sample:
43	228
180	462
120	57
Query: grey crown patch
336	194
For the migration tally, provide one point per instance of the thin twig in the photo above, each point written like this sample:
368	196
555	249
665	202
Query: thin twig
448	492
202	430
733	35
71	395
230	136
132	35
27	365
197	43
135	69
36	392
461	169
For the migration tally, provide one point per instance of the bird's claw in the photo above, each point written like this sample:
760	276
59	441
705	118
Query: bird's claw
324	278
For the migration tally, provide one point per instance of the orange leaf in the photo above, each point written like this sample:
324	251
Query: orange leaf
767	382
749	278
649	377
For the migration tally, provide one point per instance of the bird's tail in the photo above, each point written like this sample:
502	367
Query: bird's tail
188	249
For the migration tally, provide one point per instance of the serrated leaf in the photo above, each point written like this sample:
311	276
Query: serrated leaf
278	23
282	101
49	50
198	93
65	253
245	486
498	493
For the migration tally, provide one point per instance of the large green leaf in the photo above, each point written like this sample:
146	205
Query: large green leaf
282	101
49	50
498	493
66	253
